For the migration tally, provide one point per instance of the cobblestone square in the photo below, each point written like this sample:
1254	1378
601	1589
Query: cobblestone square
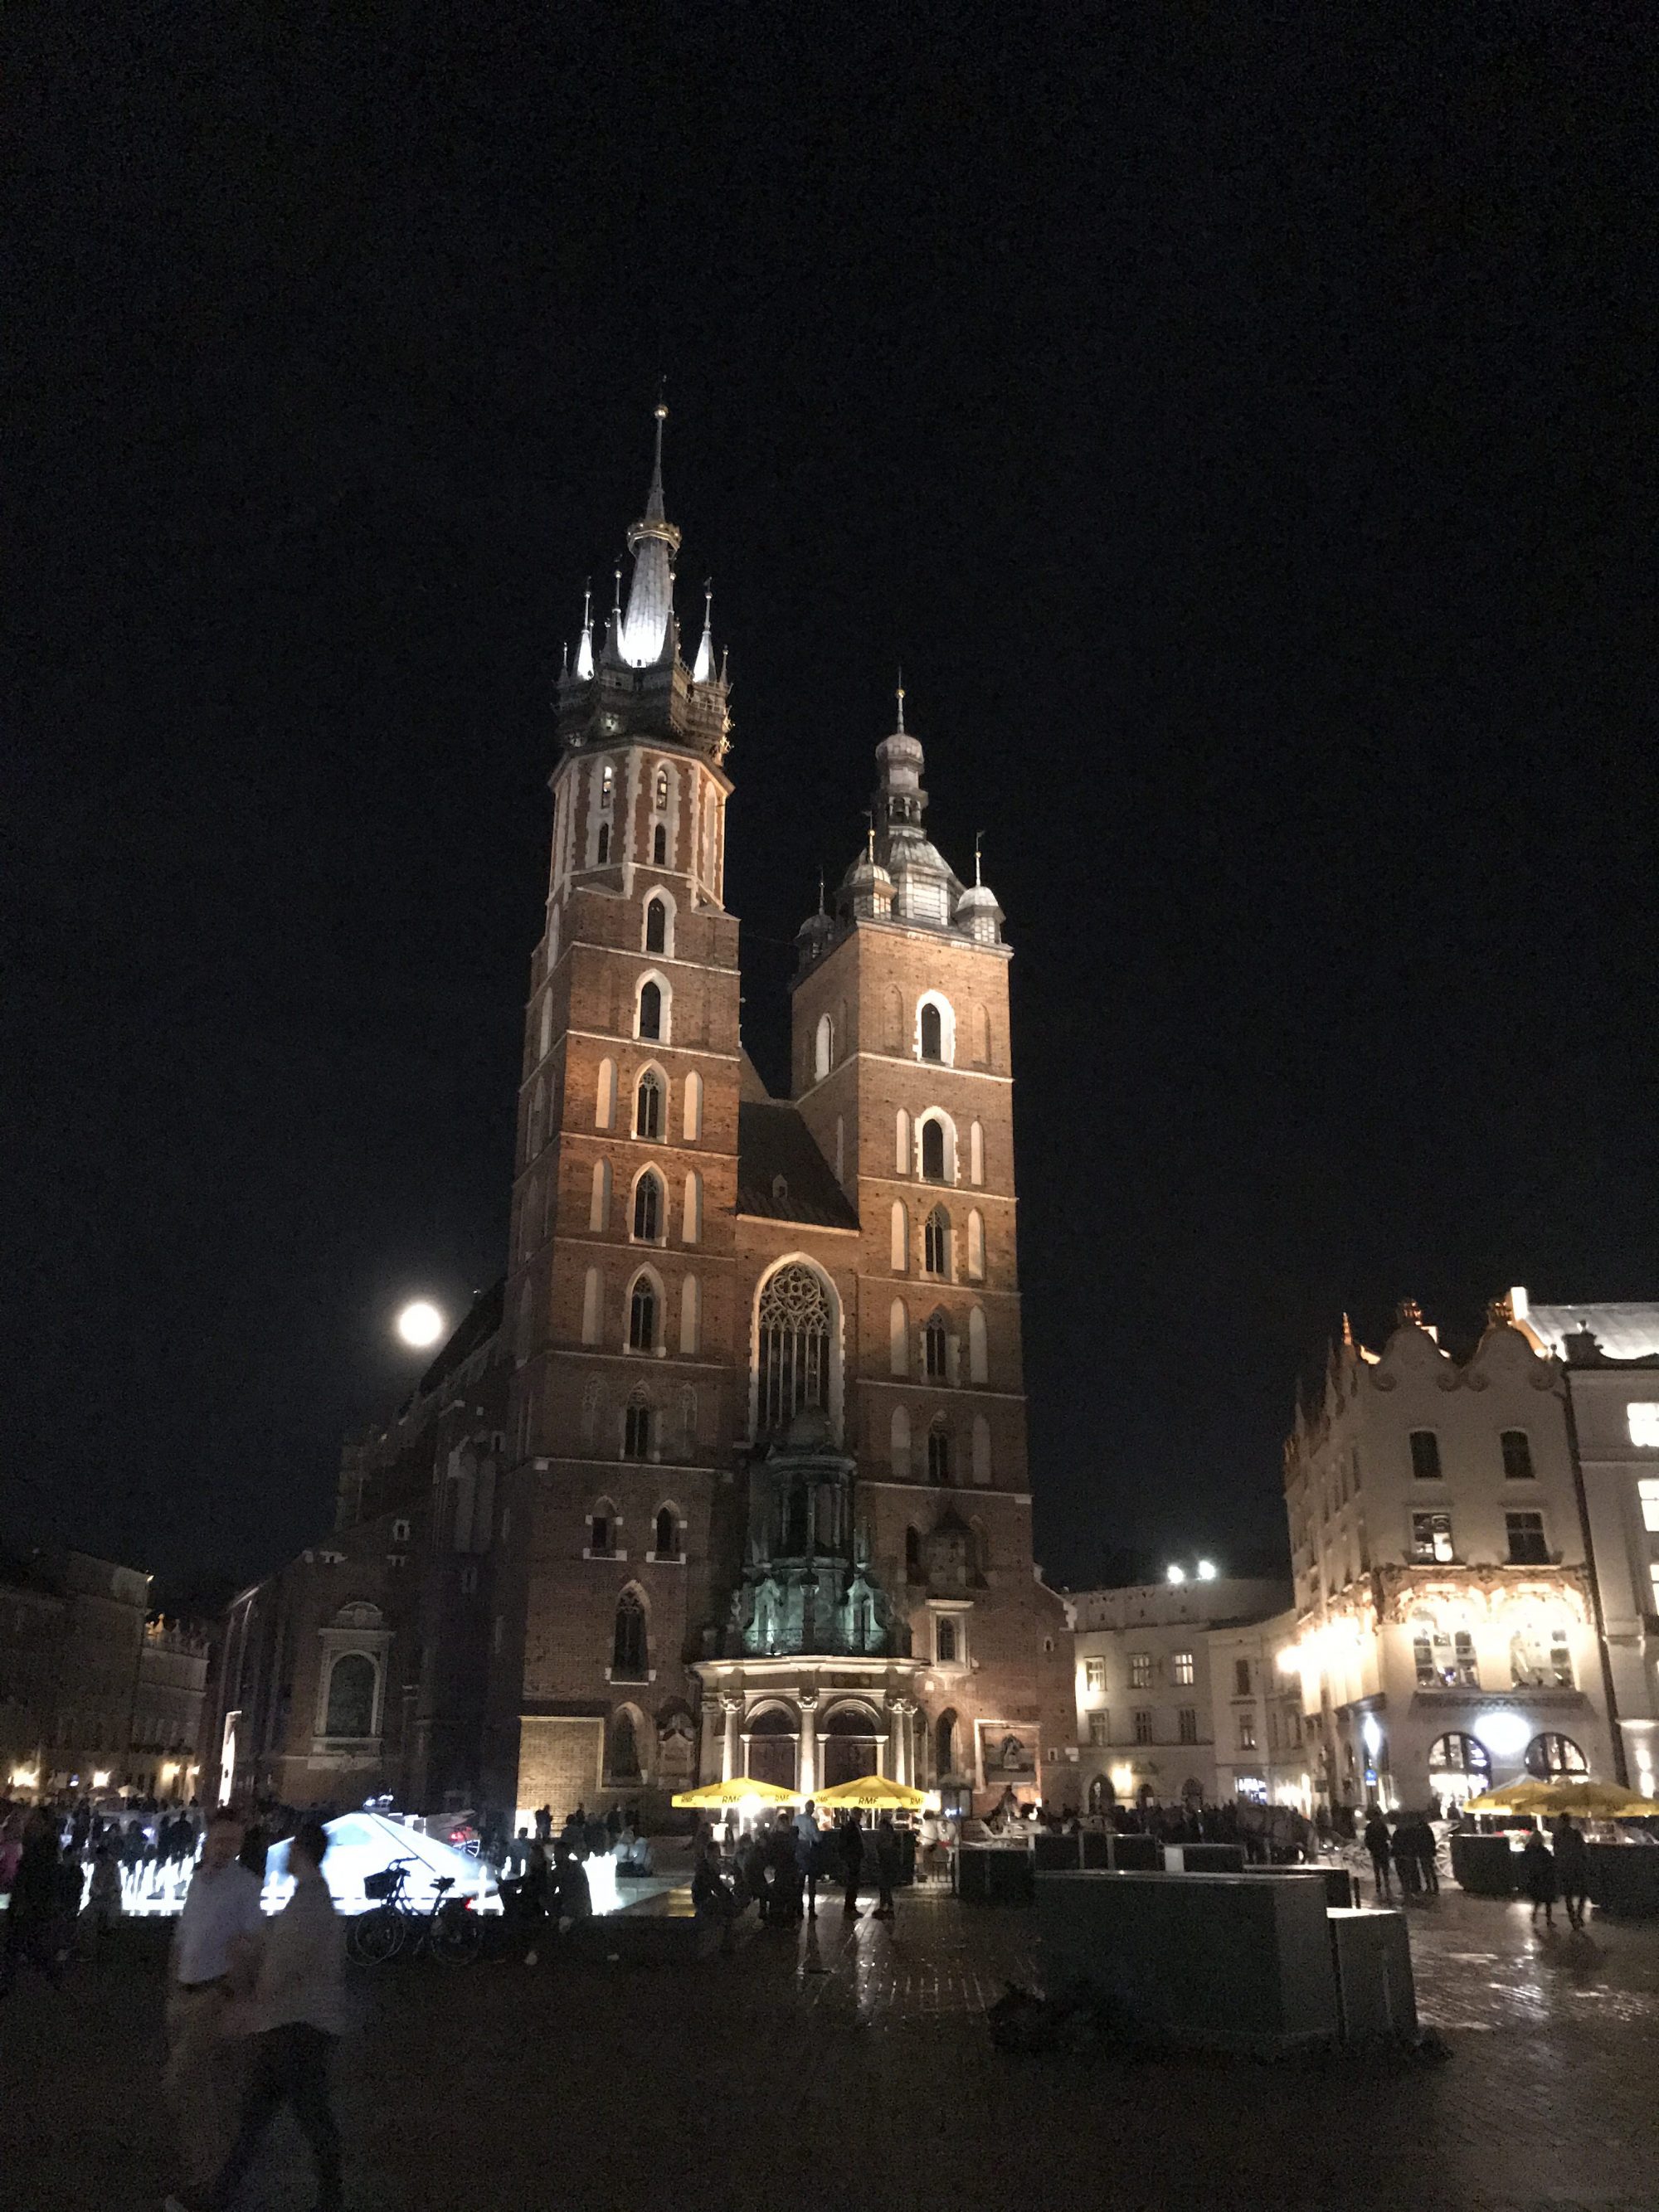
853	2062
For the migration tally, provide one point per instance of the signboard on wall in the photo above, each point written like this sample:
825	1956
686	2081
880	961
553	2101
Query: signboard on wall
1007	1755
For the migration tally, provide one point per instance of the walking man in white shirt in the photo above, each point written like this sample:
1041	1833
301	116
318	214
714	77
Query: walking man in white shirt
215	1953
298	2009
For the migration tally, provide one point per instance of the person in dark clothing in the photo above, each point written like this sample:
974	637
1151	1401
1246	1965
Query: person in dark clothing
888	1858
1539	1878
1380	1846
544	1824
851	1860
32	1920
573	1899
1572	1869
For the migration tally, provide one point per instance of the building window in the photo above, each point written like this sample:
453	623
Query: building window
1642	1419
794	1346
1426	1455
936	1240
648	1104
944	1641
1527	1547
1099	1728
935	1348
823	1048
1560	1658
629	1654
642	1316
599	1536
400	1532
1431	1538
933	1039
1143	1725
1549	1757
1247	1732
1647	1489
351	1686
1516	1446
656	927
933	1151
1241	1678
648	1209
912	1556
938	1455
659	846
637	1432
1187	1724
1182	1669
607	785
605	841
662	791
666	1536
1094	1672
1140	1670
650	1010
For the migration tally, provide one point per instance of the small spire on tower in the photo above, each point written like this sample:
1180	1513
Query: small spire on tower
1347	1332
703	669
979	839
654	506
900	699
821	907
585	650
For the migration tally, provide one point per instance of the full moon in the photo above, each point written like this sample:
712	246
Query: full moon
419	1324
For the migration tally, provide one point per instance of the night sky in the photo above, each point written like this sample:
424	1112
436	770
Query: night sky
1238	427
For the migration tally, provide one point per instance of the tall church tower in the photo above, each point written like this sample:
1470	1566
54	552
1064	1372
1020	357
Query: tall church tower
623	1199
901	1070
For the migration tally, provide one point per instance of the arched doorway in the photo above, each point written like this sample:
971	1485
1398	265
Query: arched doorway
1550	1758
846	1743
946	1734
1460	1766
772	1746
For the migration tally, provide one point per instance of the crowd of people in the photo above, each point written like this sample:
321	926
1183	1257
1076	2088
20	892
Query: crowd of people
778	1865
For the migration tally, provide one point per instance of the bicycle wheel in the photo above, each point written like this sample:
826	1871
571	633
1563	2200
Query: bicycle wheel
457	1937
379	1935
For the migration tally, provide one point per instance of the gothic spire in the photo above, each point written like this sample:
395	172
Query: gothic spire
703	670
585	650
647	630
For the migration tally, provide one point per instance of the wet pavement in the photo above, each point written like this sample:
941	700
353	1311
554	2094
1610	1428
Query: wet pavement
853	2061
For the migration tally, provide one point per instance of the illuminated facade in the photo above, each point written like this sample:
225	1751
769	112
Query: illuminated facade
766	1502
1446	1636
1611	1355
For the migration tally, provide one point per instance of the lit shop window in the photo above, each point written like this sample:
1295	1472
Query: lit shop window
1643	1420
1648	1490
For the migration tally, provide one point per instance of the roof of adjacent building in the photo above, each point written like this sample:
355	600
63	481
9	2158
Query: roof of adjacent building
782	1174
1623	1332
479	1326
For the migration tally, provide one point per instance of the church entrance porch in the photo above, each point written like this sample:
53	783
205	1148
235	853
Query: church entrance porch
807	1724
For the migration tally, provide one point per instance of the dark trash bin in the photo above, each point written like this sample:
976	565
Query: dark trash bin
993	1873
1485	1865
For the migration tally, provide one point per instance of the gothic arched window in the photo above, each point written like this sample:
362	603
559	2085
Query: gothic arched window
628	1653
794	1346
932	1032
938	1455
656	926
944	1641
662	791
648	1209
912	1556
659	849
642	1316
605	842
667	1534
933	1150
648	1105
637	1431
651	1009
351	1687
935	1348
936	1241
824	1046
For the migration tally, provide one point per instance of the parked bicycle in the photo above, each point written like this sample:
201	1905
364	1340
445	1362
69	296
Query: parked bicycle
394	1928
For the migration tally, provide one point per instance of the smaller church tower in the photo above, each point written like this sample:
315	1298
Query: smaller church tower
901	1070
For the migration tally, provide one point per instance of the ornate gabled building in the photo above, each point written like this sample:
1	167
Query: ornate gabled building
1446	1629
766	1502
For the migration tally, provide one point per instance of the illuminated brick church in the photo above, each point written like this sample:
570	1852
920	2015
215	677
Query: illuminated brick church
732	1479
768	1507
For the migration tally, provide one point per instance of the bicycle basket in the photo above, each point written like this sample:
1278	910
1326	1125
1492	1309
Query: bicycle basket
385	1884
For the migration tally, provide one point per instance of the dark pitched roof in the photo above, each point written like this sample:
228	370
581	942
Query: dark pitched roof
782	1174
479	1326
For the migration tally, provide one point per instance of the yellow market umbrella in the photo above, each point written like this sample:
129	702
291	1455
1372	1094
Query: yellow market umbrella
874	1793
1589	1801
734	1792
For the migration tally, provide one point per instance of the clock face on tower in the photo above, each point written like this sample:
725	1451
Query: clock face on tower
611	724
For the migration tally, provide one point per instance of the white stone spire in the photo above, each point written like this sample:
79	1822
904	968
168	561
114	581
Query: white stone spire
585	650
647	630
703	670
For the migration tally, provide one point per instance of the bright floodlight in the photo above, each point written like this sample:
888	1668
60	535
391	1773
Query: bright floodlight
1175	1574
1207	1571
419	1324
